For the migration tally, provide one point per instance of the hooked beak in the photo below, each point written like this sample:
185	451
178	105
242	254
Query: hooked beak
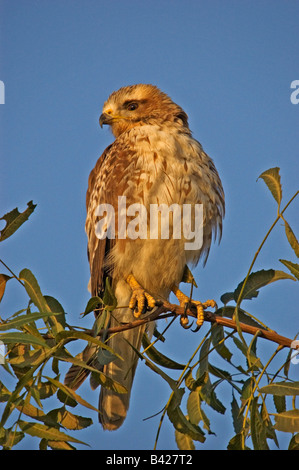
105	119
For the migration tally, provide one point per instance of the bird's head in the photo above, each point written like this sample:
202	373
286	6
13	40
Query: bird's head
138	105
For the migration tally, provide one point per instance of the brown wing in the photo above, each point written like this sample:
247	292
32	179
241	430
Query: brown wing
97	248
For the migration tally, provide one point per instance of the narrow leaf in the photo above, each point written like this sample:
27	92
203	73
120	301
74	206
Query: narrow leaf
217	336
244	317
109	299
280	403
227	297
92	304
281	388
158	357
56	309
180	422
25	338
24	319
46	432
188	277
69	335
248	353
3	280
287	421
183	441
292	238
14	220
293	267
294	443
258	428
257	280
236	443
237	416
33	290
10	438
69	392
272	179
103	379
68	420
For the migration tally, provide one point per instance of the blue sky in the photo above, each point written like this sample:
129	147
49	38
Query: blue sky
229	64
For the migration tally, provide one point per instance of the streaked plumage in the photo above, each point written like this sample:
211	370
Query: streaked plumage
153	160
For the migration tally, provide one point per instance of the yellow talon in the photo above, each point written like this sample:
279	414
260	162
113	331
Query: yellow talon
200	307
140	300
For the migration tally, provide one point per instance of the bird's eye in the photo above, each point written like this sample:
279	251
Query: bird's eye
132	106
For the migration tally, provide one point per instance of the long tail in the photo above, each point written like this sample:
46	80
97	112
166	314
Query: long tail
113	406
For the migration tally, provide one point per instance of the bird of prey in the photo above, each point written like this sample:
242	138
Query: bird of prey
153	160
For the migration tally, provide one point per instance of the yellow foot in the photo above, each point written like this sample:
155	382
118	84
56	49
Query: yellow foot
200	307
141	301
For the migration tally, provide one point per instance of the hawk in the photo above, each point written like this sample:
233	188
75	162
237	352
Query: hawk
153	160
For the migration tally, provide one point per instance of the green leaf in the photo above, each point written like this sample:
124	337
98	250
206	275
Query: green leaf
158	357
248	353
195	412
227	297
292	238
179	421
203	358
194	408
65	335
293	267
287	421
280	403
4	393
188	277
109	299
68	420
244	317
257	280
281	389
172	383
183	441
56	308
24	338
217	336
258	428
10	438
236	443
33	290
14	220
237	416
24	320
30	410
294	443
60	445
105	357
46	432
92	304
69	392
3	280
208	395
272	179
103	379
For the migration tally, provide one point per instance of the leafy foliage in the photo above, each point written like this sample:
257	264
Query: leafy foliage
37	337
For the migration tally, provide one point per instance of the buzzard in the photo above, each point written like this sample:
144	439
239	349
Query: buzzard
153	161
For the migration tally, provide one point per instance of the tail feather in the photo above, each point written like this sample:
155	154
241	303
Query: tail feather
113	406
77	374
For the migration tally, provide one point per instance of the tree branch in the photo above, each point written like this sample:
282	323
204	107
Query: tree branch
166	310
